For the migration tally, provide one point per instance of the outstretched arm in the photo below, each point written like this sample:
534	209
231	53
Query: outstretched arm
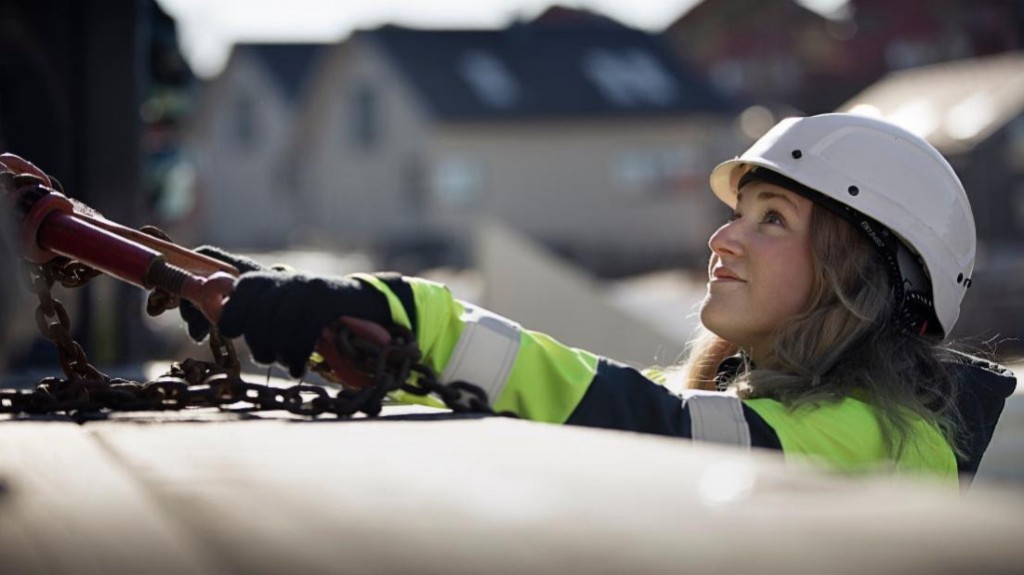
524	372
536	377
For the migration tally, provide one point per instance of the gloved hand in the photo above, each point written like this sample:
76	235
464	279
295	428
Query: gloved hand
282	314
198	326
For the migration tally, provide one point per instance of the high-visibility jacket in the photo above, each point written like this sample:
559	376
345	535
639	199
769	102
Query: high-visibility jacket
536	377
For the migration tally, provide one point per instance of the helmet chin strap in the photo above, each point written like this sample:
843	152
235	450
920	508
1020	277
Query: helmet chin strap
911	287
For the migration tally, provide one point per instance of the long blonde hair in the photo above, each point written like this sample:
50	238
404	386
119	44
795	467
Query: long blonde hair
844	343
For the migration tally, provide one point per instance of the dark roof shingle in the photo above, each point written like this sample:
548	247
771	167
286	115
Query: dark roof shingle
532	71
289	64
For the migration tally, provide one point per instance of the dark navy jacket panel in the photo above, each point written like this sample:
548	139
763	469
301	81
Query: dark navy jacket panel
984	387
620	397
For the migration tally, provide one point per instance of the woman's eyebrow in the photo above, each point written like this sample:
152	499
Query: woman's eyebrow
768	194
764	195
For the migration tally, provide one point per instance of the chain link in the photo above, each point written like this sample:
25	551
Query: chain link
194	383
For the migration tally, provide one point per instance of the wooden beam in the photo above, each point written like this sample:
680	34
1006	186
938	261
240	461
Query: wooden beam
68	506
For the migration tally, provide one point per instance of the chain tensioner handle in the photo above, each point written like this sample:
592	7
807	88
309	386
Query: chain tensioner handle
52	227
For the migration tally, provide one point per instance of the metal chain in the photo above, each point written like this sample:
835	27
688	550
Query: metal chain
55	325
195	383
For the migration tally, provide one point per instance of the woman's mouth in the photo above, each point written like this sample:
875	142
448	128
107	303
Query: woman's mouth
721	273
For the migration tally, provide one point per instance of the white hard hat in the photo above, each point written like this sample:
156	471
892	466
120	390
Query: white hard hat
881	171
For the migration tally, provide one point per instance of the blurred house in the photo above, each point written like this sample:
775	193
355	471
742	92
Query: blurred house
773	53
900	34
585	135
240	140
778	54
972	110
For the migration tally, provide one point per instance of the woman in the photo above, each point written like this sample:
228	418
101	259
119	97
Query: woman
841	270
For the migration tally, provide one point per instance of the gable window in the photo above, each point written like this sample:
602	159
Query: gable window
656	171
490	79
1017	207
728	76
457	179
630	78
1015	145
365	120
901	54
1015	167
244	120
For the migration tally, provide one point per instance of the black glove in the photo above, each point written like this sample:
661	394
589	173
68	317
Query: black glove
282	314
198	326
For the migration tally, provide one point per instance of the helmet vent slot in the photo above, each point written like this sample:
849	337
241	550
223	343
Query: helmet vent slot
854	190
797	154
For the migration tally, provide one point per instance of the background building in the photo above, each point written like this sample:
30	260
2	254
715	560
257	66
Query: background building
972	110
591	139
241	145
783	56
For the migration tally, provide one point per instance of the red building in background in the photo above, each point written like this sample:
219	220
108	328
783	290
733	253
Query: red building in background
779	54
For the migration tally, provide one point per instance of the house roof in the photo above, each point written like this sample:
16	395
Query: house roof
288	64
954	105
546	71
719	13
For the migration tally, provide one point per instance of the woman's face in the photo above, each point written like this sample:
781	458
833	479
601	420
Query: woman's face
761	271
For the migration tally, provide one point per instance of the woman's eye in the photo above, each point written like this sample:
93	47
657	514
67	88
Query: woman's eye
773	217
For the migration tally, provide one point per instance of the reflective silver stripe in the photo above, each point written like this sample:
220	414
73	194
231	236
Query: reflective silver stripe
485	351
717	418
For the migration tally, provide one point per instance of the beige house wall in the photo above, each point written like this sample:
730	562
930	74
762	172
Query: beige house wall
357	195
557	181
245	201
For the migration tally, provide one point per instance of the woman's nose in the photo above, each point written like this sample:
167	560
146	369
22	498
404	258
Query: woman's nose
725	240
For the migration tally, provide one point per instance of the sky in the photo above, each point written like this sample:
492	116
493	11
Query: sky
208	28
